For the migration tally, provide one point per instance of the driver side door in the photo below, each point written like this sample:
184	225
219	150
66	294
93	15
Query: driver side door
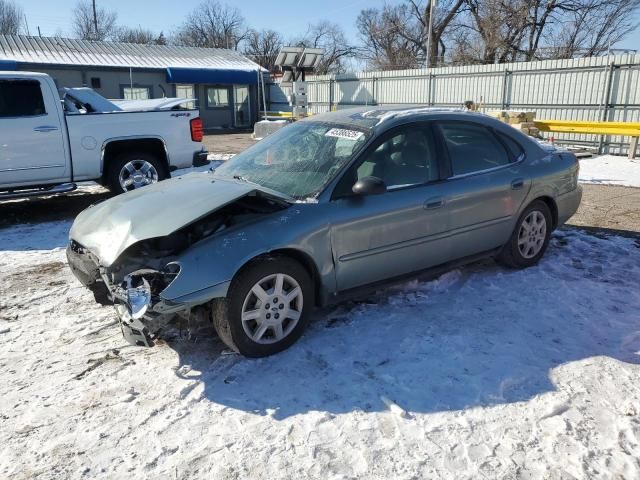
377	237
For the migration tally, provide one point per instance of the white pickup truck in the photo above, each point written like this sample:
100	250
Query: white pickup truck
47	144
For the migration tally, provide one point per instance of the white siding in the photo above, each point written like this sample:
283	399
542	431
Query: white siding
596	88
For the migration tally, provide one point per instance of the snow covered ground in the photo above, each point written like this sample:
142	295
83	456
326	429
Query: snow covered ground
481	373
610	170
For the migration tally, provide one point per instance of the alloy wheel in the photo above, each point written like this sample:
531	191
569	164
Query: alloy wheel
272	308
136	174
532	234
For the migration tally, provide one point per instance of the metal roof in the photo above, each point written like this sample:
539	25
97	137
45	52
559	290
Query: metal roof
67	51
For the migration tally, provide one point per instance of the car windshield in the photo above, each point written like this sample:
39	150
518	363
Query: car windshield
298	160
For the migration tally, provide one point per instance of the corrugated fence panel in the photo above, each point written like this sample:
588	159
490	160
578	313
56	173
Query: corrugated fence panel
596	88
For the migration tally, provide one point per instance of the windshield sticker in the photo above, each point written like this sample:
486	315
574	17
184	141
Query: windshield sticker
344	133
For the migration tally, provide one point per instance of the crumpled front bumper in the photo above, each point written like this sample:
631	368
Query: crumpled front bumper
133	330
133	313
86	268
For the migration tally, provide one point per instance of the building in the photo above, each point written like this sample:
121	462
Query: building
224	82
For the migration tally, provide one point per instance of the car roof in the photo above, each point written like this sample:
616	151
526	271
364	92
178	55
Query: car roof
372	116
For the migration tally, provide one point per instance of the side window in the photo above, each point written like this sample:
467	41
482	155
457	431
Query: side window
472	148
405	158
217	97
515	149
135	93
21	98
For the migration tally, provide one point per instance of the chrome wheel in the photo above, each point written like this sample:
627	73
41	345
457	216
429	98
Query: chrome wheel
136	174
532	234
272	308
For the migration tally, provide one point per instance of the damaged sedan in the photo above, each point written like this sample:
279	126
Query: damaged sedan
323	208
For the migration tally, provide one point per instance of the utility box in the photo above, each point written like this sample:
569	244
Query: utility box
298	99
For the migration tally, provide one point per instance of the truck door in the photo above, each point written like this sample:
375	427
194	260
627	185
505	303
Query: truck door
32	148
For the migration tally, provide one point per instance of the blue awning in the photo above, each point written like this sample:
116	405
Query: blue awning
8	65
212	75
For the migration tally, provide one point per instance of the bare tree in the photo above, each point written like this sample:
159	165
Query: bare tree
591	28
139	35
331	38
502	27
499	31
10	18
212	24
398	34
262	47
93	23
383	46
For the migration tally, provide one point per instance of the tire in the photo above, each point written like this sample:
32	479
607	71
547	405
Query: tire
147	169
265	341
524	249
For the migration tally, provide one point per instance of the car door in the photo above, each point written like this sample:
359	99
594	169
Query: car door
32	149
377	237
486	186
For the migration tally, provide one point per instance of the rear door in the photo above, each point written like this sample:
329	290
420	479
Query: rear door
378	237
32	149
486	185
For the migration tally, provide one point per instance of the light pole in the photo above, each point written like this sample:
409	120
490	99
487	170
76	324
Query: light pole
431	5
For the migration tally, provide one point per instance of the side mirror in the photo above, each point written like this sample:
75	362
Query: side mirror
369	186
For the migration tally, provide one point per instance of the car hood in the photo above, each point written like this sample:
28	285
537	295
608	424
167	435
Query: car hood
108	228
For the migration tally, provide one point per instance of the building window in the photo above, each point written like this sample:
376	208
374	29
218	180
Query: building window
95	82
217	97
136	93
186	91
21	98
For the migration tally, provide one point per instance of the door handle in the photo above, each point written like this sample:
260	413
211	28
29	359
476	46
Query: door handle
517	184
433	203
45	128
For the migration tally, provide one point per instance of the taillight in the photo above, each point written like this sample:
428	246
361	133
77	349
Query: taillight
196	129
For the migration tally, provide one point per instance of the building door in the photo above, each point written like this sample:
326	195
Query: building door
241	106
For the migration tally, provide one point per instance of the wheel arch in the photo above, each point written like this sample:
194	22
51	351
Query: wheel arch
553	208
299	256
113	147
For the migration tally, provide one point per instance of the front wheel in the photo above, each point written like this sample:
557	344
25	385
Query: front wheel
267	307
130	171
530	237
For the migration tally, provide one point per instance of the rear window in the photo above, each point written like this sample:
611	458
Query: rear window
472	148
514	147
21	98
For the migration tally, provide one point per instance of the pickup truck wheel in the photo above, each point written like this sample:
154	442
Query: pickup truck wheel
267	307
130	171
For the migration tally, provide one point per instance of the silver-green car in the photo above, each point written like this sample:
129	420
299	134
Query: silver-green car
319	210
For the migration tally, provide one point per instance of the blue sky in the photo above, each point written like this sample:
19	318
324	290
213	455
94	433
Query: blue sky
288	16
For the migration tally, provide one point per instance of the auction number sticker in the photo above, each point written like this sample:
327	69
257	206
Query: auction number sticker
344	133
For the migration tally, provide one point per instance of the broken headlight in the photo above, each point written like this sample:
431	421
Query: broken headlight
138	296
139	289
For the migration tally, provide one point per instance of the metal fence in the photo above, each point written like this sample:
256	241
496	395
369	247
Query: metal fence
594	89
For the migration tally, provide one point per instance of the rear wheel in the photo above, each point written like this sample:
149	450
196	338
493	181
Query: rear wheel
530	238
267	307
130	171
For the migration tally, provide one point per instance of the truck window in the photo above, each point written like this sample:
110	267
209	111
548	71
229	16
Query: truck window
21	98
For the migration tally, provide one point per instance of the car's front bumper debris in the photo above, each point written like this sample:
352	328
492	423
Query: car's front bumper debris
133	330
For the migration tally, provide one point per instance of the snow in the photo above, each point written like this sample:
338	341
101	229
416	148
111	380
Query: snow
483	372
610	170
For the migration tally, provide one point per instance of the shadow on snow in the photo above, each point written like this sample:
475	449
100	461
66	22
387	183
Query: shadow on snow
478	336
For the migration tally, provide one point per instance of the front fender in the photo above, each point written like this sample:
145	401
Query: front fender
209	265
